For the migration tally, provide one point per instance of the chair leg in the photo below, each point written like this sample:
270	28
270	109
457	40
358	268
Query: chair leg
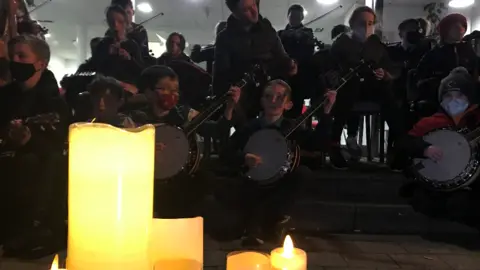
382	139
368	125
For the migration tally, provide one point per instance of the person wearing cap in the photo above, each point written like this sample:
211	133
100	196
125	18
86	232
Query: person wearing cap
458	110
181	195
450	53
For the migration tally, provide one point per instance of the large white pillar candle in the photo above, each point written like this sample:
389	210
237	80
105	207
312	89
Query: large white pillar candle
288	257
177	244
248	260
110	197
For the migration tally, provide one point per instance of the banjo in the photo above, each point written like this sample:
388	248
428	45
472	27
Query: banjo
459	166
279	154
182	151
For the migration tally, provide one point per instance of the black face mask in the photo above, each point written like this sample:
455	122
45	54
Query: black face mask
21	71
4	68
413	37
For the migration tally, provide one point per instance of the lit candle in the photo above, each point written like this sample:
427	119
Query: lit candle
288	257
55	264
177	244
110	197
248	260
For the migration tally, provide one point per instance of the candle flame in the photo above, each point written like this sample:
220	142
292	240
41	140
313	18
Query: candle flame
55	263
288	247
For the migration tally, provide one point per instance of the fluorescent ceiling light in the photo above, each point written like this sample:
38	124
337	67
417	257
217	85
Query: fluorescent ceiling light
48	35
144	7
460	3
305	13
327	2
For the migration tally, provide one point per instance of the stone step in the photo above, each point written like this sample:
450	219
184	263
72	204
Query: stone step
311	217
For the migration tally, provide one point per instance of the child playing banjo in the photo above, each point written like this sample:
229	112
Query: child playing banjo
458	110
180	196
262	208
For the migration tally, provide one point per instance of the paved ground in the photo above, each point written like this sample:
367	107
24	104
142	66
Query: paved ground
346	252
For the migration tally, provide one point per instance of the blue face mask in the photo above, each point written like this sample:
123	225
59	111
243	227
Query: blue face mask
455	106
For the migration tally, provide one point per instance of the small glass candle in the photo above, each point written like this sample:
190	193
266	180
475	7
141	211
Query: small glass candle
248	260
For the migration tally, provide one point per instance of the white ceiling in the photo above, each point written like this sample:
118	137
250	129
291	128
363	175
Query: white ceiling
194	18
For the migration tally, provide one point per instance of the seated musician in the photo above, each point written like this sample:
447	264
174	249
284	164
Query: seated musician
450	53
176	45
118	56
107	96
458	110
182	195
249	38
262	208
348	50
32	147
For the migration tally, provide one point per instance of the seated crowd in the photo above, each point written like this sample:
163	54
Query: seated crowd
419	86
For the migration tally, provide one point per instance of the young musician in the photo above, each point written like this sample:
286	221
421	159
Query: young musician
458	110
118	56
452	52
248	39
262	208
135	31
181	195
107	96
349	50
32	186
176	44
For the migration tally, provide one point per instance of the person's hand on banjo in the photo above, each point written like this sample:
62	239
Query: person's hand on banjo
252	160
434	153
331	97
234	93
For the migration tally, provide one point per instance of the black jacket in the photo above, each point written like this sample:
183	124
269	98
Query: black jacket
166	57
44	98
298	43
115	65
139	34
237	49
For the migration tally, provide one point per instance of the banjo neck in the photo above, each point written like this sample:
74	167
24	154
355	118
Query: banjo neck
313	109
473	137
193	125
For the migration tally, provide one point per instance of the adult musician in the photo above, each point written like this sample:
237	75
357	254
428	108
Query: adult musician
406	55
118	56
31	182
450	53
181	195
176	45
348	51
298	42
456	95
248	39
89	64
261	208
135	31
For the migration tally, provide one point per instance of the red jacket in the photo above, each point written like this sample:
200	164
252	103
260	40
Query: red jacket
414	144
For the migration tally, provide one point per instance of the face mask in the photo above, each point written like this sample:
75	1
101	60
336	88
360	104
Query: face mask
455	106
22	71
413	37
167	101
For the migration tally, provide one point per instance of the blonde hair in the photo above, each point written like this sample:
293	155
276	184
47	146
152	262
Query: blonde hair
39	46
282	83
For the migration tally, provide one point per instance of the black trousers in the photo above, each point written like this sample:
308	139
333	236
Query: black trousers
375	91
181	196
33	187
259	206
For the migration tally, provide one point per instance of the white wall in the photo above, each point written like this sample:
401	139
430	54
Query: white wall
61	67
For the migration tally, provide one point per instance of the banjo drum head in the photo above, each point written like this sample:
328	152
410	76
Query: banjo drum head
172	159
456	156
271	146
